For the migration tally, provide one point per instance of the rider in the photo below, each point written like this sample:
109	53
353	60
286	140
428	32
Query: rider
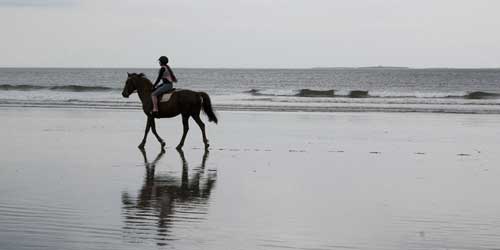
168	78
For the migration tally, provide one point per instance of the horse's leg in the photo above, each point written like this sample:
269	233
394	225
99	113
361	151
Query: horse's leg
146	163
202	127
153	128
148	126
185	125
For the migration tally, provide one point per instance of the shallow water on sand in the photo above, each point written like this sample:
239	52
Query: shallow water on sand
73	179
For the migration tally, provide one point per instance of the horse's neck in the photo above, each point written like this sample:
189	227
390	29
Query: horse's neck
144	92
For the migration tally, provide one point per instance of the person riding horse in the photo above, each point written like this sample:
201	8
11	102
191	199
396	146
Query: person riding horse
166	75
183	102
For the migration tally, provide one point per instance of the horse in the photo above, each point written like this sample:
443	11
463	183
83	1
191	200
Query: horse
183	102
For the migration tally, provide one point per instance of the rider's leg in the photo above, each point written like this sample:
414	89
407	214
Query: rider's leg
154	96
155	102
159	91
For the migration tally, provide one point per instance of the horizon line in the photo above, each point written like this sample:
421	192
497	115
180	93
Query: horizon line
254	68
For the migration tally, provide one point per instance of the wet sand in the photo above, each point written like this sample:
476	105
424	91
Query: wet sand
74	179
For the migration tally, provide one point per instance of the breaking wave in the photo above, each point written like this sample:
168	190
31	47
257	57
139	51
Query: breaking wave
482	95
367	94
316	93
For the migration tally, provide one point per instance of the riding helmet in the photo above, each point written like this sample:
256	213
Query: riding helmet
163	59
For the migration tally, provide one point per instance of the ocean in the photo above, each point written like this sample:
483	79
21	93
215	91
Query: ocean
372	178
375	89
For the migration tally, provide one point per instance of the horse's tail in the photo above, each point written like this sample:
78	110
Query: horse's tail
207	107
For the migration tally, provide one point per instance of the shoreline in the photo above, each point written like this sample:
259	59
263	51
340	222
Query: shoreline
273	108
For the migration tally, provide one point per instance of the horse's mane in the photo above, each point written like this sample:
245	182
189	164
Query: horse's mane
143	76
137	74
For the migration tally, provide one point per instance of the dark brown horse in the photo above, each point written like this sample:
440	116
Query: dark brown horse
184	102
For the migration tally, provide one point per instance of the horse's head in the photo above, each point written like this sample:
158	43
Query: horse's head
131	84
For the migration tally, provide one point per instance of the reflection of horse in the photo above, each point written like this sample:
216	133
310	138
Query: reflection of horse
161	196
185	102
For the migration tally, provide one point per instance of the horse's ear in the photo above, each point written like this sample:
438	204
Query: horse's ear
128	74
141	75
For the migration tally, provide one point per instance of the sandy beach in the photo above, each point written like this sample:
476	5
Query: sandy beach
74	179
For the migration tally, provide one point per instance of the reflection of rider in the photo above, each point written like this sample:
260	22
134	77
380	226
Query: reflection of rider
168	78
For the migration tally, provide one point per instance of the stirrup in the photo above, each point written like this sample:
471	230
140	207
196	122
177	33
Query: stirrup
154	113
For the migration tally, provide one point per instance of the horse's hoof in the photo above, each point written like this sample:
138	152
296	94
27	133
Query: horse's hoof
163	144
207	145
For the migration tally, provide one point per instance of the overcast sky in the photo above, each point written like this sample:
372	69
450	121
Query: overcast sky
250	33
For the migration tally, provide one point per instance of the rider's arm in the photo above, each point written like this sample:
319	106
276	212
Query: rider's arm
160	74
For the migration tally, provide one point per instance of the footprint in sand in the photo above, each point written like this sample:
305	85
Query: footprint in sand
463	155
296	151
375	153
338	151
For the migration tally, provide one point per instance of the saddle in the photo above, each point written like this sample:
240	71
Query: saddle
166	96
